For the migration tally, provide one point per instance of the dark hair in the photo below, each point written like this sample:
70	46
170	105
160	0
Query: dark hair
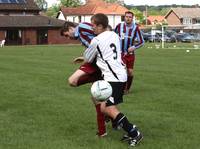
109	28
66	27
100	19
129	12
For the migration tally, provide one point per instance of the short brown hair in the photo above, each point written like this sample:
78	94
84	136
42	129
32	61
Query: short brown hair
66	27
129	12
100	19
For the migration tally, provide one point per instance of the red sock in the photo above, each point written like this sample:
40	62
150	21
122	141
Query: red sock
100	120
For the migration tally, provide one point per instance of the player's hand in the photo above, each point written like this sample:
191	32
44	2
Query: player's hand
131	50
78	60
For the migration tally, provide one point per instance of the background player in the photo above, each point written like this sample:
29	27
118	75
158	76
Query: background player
129	34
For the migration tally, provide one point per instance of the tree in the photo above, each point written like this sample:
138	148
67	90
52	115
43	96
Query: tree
70	3
53	10
138	14
115	1
111	1
156	11
42	4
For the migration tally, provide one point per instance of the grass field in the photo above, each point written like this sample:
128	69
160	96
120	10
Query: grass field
38	110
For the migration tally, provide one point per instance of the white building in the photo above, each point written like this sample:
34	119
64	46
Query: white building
114	11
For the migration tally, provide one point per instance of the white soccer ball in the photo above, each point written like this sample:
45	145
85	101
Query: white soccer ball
101	90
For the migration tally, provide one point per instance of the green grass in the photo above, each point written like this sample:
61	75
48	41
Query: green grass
38	110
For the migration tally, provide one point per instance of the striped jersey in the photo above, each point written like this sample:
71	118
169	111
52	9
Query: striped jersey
129	36
84	33
106	49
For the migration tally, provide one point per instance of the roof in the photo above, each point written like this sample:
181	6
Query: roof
29	5
95	6
29	21
185	12
156	18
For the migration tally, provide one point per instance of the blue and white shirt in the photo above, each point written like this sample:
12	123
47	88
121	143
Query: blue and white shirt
84	33
129	36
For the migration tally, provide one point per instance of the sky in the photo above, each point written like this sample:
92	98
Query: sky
162	2
148	2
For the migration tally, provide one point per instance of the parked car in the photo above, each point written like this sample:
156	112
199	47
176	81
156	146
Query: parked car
196	37
154	38
167	38
172	38
184	37
158	38
146	36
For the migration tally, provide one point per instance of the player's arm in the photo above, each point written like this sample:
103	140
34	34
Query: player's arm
140	40
91	52
83	33
86	34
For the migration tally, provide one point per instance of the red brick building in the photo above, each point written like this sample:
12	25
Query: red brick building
21	24
183	16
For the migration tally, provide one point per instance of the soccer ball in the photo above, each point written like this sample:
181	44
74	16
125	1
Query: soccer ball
101	90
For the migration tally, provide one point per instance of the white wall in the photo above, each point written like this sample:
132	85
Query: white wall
117	20
113	19
61	16
76	19
86	18
72	19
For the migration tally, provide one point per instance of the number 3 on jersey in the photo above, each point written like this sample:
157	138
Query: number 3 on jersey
113	47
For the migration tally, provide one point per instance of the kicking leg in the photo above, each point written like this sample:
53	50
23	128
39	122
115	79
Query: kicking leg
74	78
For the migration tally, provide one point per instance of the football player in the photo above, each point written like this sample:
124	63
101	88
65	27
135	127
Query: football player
105	47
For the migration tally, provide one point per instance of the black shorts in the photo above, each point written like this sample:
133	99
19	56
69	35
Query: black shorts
117	95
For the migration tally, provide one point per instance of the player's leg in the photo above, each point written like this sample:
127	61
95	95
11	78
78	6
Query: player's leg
119	119
73	79
80	76
100	119
86	73
130	59
129	80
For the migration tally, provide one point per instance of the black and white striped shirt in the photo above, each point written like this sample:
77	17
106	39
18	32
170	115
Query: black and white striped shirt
106	49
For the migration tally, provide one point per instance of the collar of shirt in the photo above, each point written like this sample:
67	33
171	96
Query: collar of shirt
129	26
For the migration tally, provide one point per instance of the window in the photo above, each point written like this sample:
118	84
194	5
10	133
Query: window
198	20
13	37
187	21
79	19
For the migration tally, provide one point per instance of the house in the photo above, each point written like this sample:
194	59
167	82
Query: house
21	24
114	11
183	16
153	20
